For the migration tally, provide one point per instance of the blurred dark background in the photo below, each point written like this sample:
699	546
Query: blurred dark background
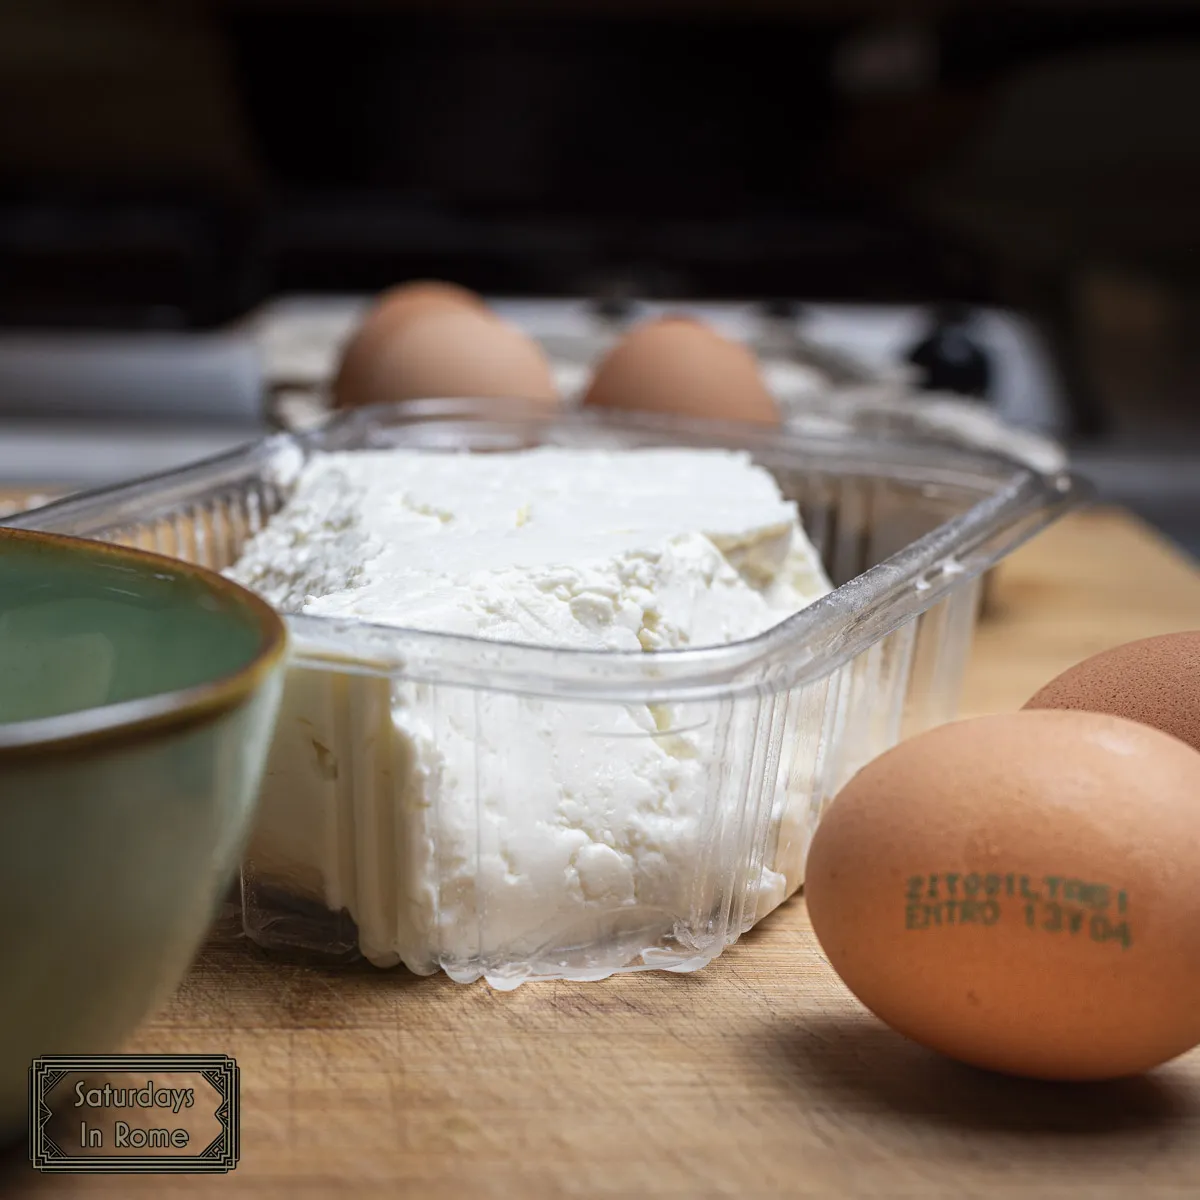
172	165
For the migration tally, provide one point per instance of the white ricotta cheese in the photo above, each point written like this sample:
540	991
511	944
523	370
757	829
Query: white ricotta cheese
465	828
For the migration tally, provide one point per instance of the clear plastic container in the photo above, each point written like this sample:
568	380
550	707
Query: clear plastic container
770	727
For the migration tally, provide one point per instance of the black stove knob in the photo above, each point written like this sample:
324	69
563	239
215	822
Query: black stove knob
615	308
950	357
614	298
782	309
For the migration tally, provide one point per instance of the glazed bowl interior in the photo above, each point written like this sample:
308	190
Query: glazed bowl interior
138	697
84	626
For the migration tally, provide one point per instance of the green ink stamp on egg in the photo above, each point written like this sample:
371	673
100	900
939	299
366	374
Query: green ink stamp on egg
1060	906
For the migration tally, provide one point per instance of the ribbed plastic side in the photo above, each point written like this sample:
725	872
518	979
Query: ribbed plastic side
210	531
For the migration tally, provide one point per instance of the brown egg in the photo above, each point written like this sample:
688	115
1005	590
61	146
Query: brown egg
677	365
452	353
391	312
1021	892
427	293
1155	681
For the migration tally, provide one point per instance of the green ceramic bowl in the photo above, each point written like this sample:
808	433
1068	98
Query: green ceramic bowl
137	700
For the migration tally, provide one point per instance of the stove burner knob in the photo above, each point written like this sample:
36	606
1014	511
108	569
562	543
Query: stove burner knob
782	309
616	309
615	300
950	357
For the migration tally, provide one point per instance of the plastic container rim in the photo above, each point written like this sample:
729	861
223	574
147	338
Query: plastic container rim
802	648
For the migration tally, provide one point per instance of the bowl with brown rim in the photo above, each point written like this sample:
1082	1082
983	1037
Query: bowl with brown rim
137	700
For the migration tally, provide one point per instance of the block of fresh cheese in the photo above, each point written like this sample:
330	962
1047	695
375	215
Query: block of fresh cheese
463	826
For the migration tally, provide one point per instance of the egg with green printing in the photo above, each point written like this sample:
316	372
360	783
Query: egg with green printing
1021	892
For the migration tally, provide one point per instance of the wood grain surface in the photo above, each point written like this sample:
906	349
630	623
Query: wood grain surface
758	1076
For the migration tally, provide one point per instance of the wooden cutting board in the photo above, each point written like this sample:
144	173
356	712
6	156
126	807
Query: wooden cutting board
758	1076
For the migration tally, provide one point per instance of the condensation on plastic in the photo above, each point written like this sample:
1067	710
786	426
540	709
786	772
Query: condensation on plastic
905	528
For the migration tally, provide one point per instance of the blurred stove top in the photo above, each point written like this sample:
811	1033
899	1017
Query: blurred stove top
87	409
300	338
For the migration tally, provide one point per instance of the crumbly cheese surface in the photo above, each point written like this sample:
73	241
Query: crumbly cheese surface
465	828
630	550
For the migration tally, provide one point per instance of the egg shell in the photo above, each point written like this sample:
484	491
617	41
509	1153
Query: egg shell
356	376
427	293
454	353
1155	680
1021	892
681	366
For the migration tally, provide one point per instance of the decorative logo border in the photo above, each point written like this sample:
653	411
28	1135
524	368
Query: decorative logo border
218	1157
